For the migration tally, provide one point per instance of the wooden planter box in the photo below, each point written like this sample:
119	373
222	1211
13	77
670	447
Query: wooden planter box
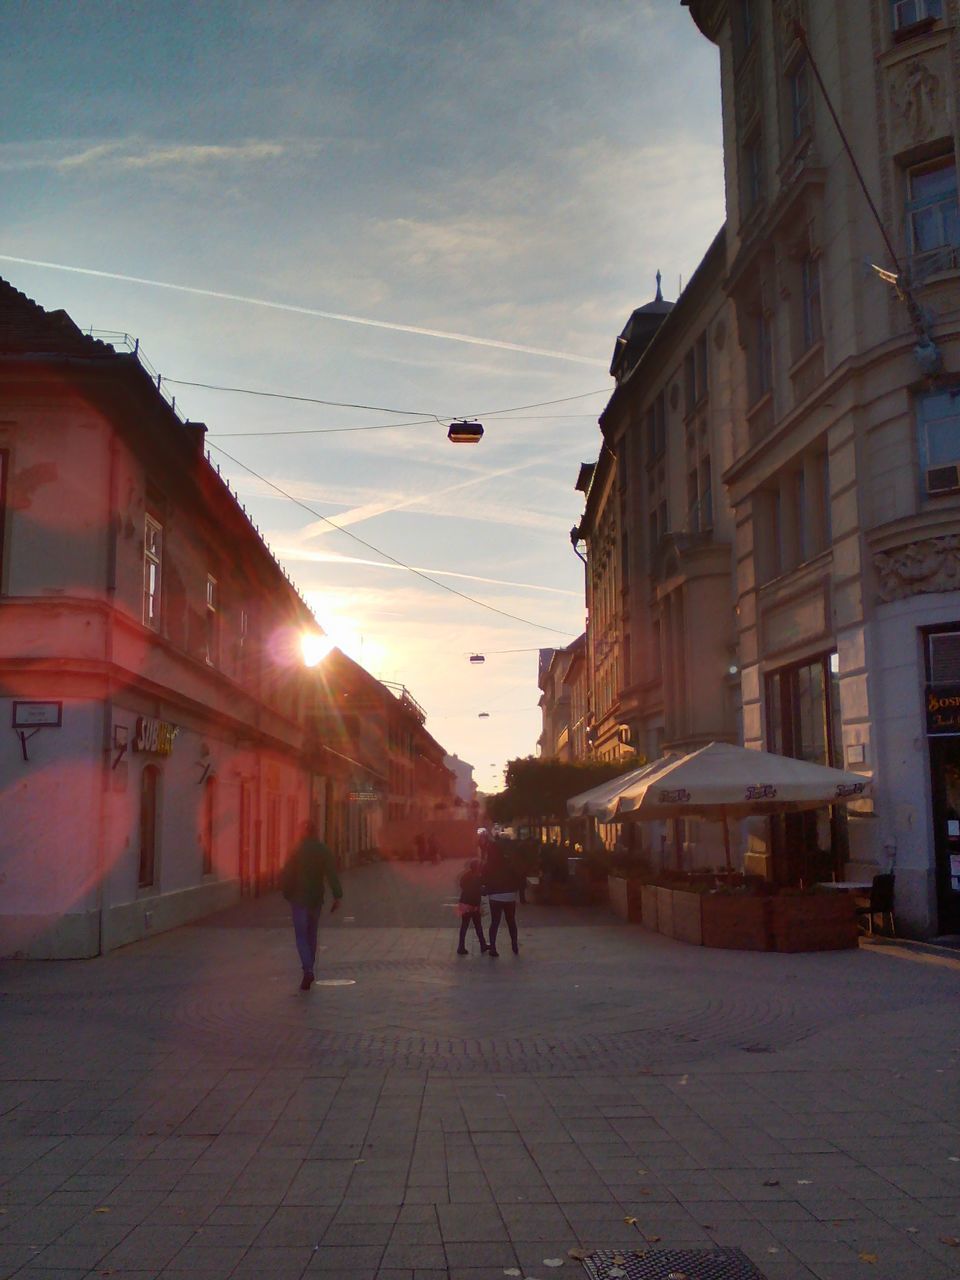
736	922
813	922
648	899
665	912
686	916
625	898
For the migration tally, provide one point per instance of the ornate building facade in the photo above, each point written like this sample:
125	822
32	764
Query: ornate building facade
772	526
843	271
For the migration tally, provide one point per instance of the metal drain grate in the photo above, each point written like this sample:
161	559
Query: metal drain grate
672	1264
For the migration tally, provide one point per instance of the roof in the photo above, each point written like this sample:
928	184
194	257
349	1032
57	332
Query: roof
710	268
34	337
637	333
27	329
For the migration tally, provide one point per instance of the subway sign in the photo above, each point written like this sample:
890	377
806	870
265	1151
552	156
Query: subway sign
155	736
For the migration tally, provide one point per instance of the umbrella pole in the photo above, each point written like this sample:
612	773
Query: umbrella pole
726	842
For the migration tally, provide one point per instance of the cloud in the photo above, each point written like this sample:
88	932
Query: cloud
136	154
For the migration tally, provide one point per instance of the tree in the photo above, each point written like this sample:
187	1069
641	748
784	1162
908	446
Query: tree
538	790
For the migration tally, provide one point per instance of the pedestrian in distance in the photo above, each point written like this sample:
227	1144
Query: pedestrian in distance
500	882
470	906
308	869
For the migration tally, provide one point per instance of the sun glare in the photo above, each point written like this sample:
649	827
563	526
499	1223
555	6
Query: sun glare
314	647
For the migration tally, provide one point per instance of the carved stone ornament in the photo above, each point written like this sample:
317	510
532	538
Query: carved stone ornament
918	103
919	567
790	12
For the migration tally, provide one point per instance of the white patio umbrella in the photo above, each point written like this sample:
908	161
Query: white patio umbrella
724	781
595	803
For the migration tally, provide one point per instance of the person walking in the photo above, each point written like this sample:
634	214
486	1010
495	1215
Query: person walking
470	906
309	867
500	885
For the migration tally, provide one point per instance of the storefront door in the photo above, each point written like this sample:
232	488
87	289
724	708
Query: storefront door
945	777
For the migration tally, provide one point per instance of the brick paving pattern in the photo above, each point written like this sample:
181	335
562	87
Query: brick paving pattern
180	1109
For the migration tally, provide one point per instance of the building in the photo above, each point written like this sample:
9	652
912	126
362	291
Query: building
772	526
166	740
845	477
149	657
658	536
464	787
562	702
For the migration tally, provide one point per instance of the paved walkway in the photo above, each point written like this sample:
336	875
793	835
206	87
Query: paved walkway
180	1109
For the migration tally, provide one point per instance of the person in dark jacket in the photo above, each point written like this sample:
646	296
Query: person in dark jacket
470	905
305	873
500	882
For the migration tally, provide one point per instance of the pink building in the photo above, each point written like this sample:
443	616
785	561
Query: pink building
152	767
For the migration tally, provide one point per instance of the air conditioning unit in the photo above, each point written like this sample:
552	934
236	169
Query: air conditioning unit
907	13
943	479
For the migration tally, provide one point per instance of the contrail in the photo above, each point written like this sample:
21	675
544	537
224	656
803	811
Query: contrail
333	557
308	311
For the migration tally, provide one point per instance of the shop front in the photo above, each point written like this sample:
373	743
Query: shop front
942	704
803	721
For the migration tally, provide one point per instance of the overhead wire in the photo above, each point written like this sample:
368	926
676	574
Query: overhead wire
370	547
415	417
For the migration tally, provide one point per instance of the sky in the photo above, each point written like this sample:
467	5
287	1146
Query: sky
451	208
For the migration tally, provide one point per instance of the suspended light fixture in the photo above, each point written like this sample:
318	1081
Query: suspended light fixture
464	432
477	657
483	715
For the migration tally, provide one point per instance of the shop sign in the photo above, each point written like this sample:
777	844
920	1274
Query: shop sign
39	715
155	736
943	710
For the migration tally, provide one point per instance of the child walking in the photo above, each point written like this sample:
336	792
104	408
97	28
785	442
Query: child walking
470	904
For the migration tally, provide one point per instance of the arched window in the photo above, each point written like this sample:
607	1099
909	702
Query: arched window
209	823
149	806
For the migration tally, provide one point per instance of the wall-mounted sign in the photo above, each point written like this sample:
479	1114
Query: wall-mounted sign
943	710
37	715
155	736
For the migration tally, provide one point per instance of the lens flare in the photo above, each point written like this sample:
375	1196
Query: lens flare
314	647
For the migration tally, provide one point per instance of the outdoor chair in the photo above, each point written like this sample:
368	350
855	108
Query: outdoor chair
880	904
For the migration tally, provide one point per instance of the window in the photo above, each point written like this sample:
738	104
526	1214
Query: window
689	382
938	430
656	427
4	467
149	804
209	824
798	86
695	374
907	13
792	516
932	213
701	361
810	299
212	623
693	500
744	26
759	356
152	571
752	172
804	722
706	494
803	711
